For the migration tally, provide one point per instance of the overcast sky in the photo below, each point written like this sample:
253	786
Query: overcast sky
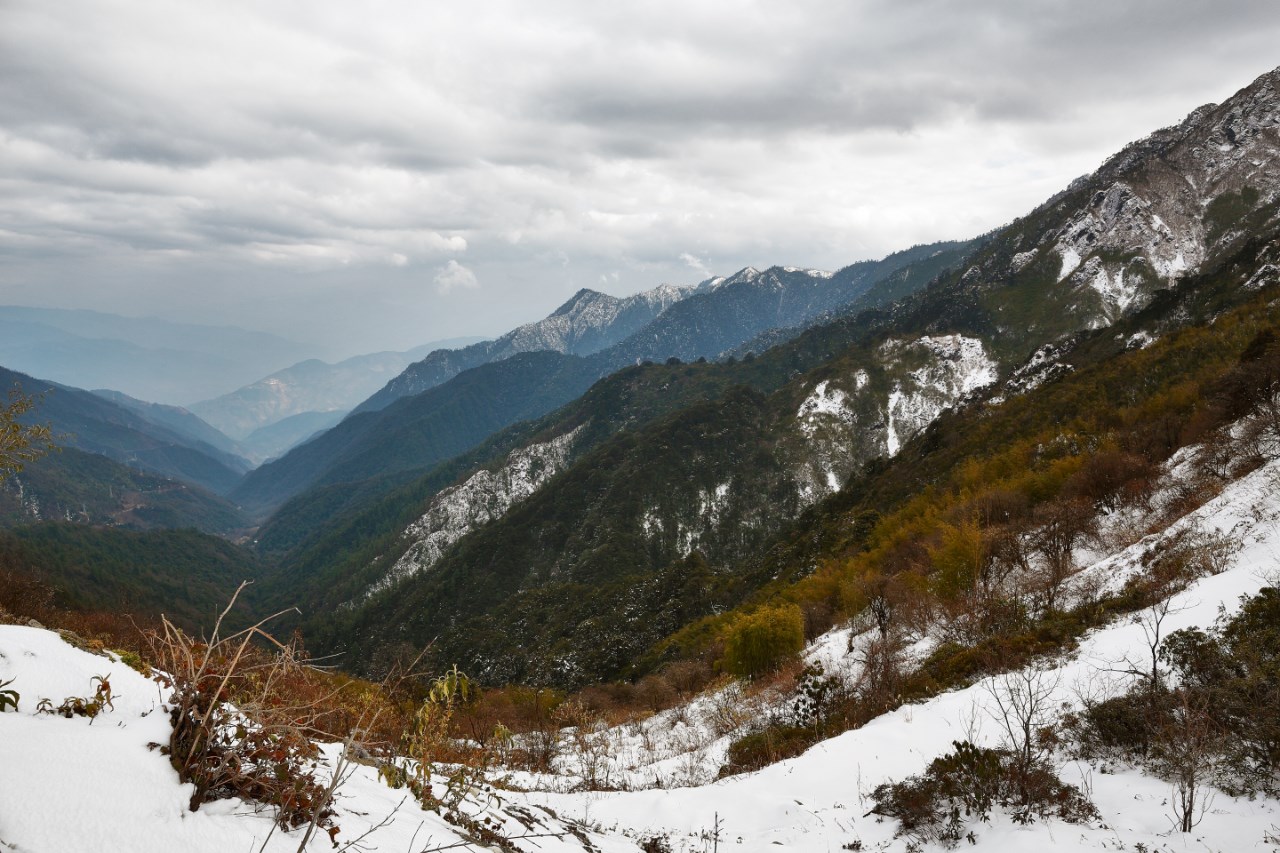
374	175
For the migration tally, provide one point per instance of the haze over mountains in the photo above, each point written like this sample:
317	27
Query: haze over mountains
146	358
271	415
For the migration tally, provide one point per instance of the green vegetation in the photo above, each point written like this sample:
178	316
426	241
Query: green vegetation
759	642
182	573
964	786
9	697
1227	210
20	442
91	489
1206	712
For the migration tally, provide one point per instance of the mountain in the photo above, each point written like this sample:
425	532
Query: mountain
273	440
725	315
91	423
701	321
86	488
144	357
180	420
184	574
320	391
589	322
558	564
416	436
422	430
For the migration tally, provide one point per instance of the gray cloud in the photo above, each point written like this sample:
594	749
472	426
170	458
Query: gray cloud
305	166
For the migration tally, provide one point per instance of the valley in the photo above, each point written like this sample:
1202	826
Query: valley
974	542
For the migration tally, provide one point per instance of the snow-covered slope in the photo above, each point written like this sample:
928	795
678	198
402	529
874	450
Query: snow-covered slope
81	786
847	420
485	496
589	322
821	800
1160	208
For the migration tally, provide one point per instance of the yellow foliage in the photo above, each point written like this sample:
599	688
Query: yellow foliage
758	642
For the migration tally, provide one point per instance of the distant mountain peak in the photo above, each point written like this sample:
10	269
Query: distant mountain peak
583	297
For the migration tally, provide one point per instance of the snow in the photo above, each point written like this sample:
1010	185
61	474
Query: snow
1117	294
588	315
712	504
808	272
72	786
825	402
819	800
956	366
484	497
1140	340
934	373
1044	365
1021	260
1070	260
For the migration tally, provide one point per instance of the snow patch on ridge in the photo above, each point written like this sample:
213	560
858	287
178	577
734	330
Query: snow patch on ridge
712	504
484	497
810	273
826	402
1044	366
956	366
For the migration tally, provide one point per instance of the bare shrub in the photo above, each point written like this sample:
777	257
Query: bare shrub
879	682
588	746
727	709
687	676
1061	526
258	748
655	693
1023	701
1185	752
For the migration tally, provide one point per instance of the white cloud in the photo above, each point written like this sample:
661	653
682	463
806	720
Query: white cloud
695	264
454	275
275	148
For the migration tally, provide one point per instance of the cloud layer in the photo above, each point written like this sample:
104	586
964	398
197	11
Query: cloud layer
348	173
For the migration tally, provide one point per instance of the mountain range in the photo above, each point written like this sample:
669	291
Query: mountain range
552	556
144	357
568	498
271	415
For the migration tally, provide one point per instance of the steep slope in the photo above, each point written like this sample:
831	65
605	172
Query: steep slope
603	537
423	430
181	421
733	315
274	440
98	784
74	486
691	322
589	322
894	278
677	754
85	421
184	574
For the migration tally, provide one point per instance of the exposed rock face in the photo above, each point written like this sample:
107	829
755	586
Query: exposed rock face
485	496
1167	203
846	421
586	324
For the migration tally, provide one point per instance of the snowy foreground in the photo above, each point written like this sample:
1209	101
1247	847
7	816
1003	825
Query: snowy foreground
68	786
